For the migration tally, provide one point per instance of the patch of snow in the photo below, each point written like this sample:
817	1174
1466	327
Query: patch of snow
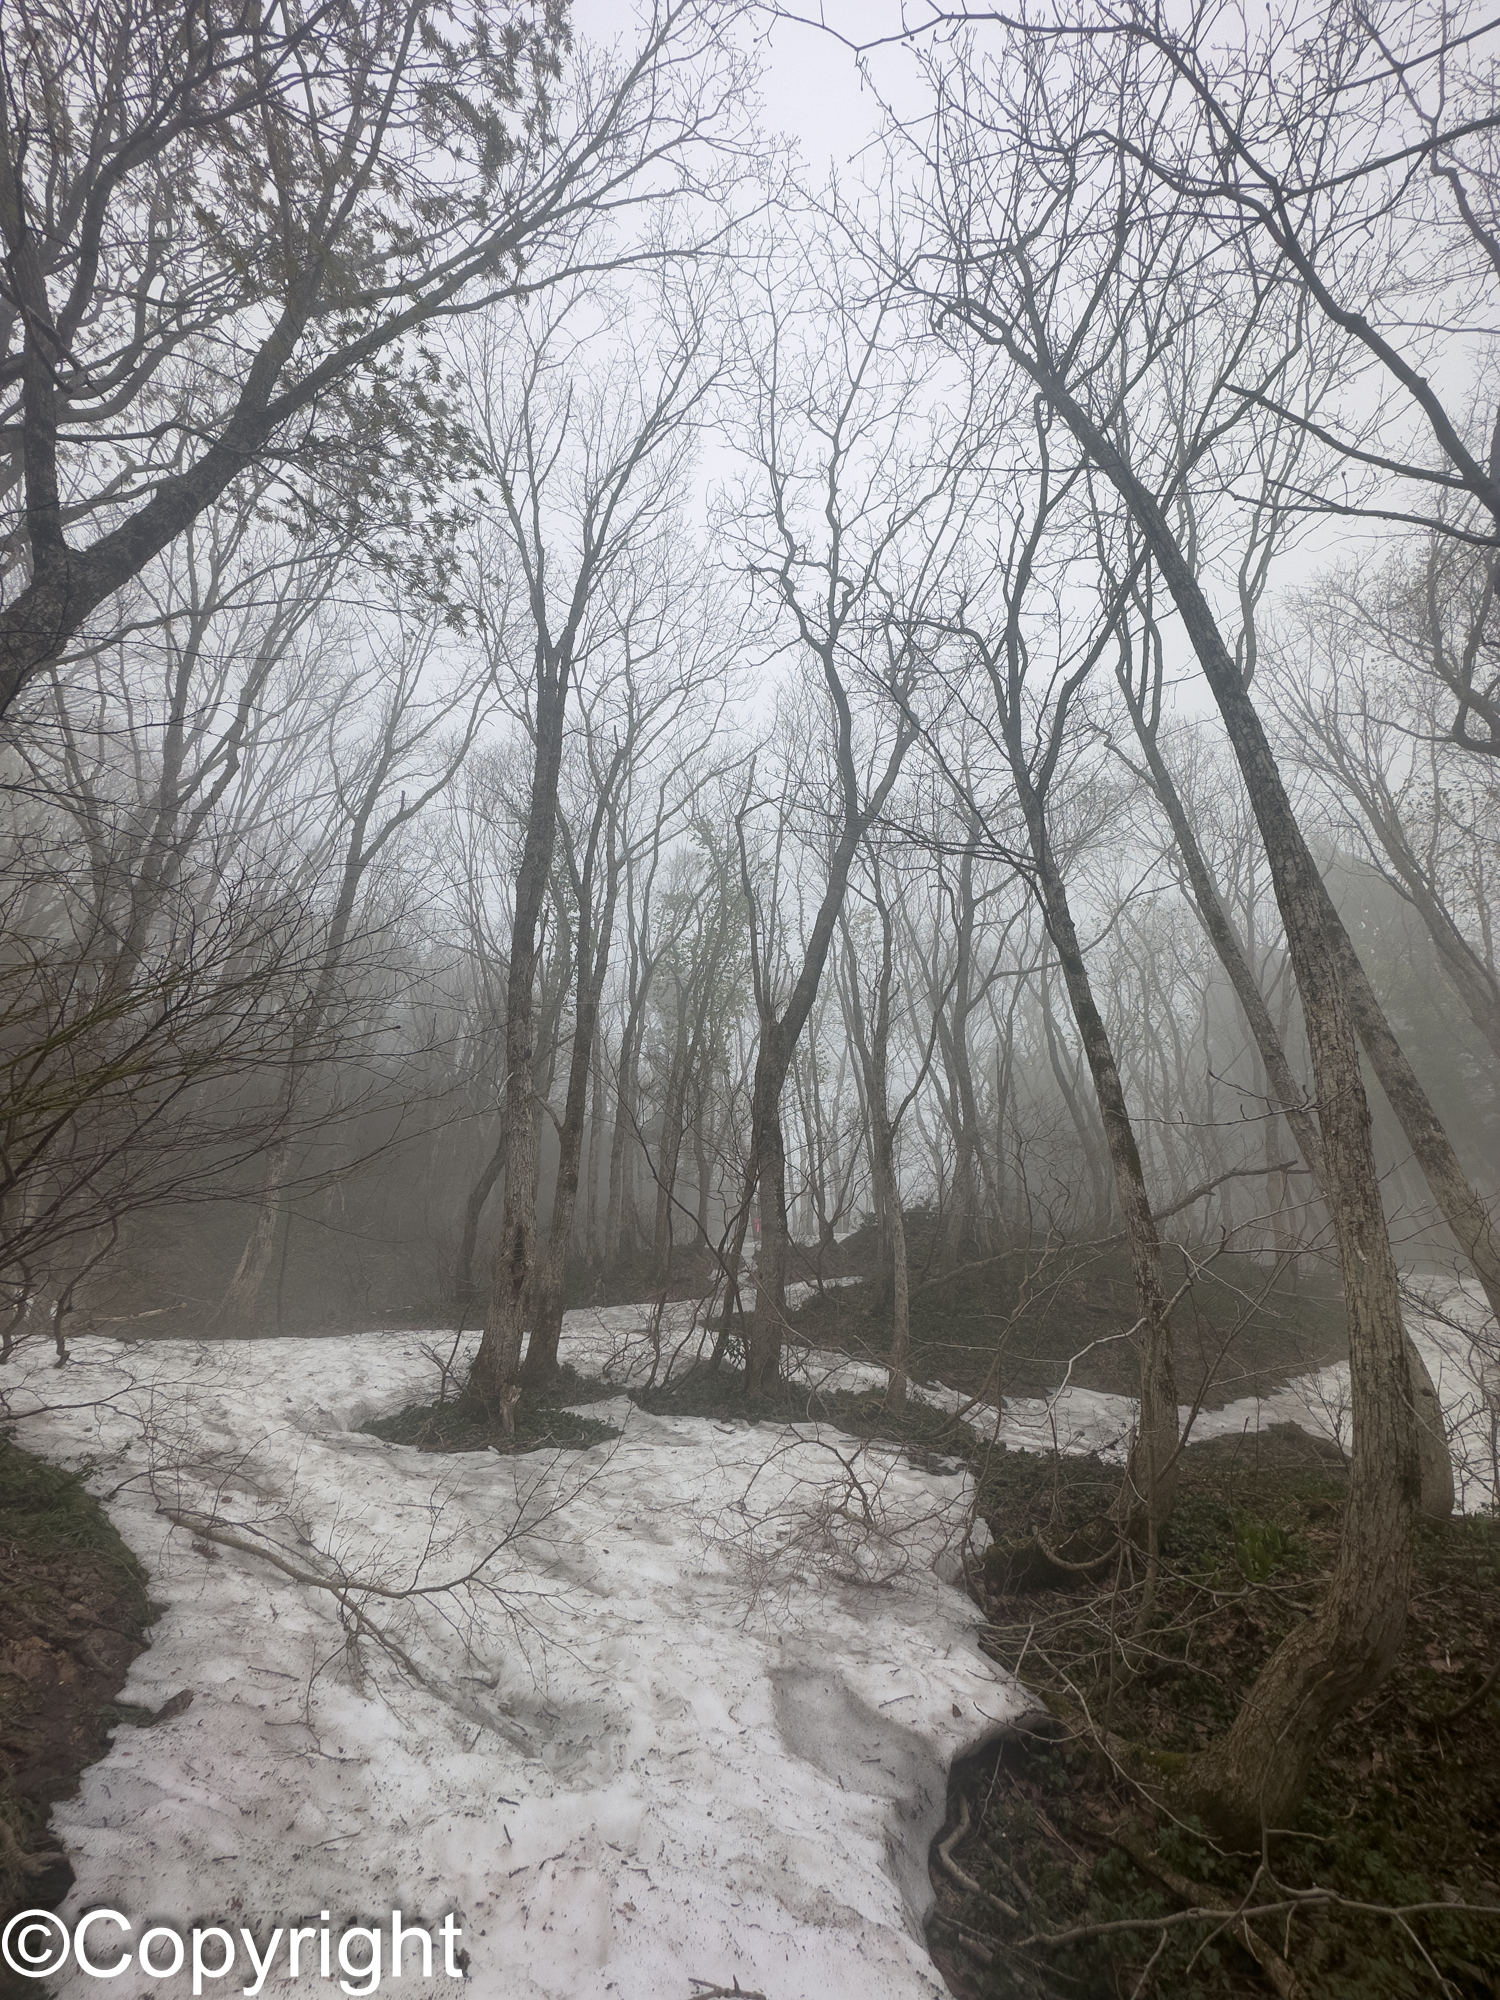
689	1718
1453	1331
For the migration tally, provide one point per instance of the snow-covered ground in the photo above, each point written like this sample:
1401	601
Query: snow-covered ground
648	1719
690	1721
1449	1322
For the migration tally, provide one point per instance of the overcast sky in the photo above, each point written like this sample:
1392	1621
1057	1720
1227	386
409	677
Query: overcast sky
811	84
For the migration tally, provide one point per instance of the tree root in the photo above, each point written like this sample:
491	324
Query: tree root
965	1881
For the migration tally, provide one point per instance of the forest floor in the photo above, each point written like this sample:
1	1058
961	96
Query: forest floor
73	1615
1026	1320
1044	1832
1053	1836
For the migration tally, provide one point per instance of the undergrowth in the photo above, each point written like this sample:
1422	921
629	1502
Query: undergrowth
1022	1321
73	1613
541	1422
1403	1808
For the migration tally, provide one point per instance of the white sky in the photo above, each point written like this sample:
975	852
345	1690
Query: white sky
812	89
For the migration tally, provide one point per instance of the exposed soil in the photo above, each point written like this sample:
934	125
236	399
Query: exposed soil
73	1615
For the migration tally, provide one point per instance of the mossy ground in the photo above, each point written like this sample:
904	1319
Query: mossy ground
1403	1807
73	1613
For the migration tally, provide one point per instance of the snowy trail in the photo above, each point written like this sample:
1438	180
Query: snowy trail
702	1732
699	1729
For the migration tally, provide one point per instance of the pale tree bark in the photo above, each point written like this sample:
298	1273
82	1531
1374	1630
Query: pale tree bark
591	955
871	1033
615	474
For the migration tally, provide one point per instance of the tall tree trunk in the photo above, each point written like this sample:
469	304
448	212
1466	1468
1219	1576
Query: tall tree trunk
1437	1496
1252	1776
669	1152
595	1151
547	1312
497	1363
1151	1476
872	1037
768	1322
1098	1180
619	1215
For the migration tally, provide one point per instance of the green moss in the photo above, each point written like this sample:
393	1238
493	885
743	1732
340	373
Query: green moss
50	1514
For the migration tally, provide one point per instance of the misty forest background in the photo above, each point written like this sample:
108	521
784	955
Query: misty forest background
840	645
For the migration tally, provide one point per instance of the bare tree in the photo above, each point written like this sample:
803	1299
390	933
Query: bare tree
1016	265
581	478
843	531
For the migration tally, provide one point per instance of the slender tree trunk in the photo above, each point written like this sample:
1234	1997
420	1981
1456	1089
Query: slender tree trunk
669	1152
768	1323
547	1314
595	1150
872	1036
1151	1476
497	1364
240	1305
479	1194
1098	1179
619	1215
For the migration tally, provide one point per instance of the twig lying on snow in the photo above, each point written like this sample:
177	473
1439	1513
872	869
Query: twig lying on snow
704	1989
361	1625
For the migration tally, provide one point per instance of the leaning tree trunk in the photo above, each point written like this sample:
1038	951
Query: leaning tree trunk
1151	1476
1250	1779
1437	1464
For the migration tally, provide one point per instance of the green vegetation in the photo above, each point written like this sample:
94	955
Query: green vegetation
73	1613
1402	1810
